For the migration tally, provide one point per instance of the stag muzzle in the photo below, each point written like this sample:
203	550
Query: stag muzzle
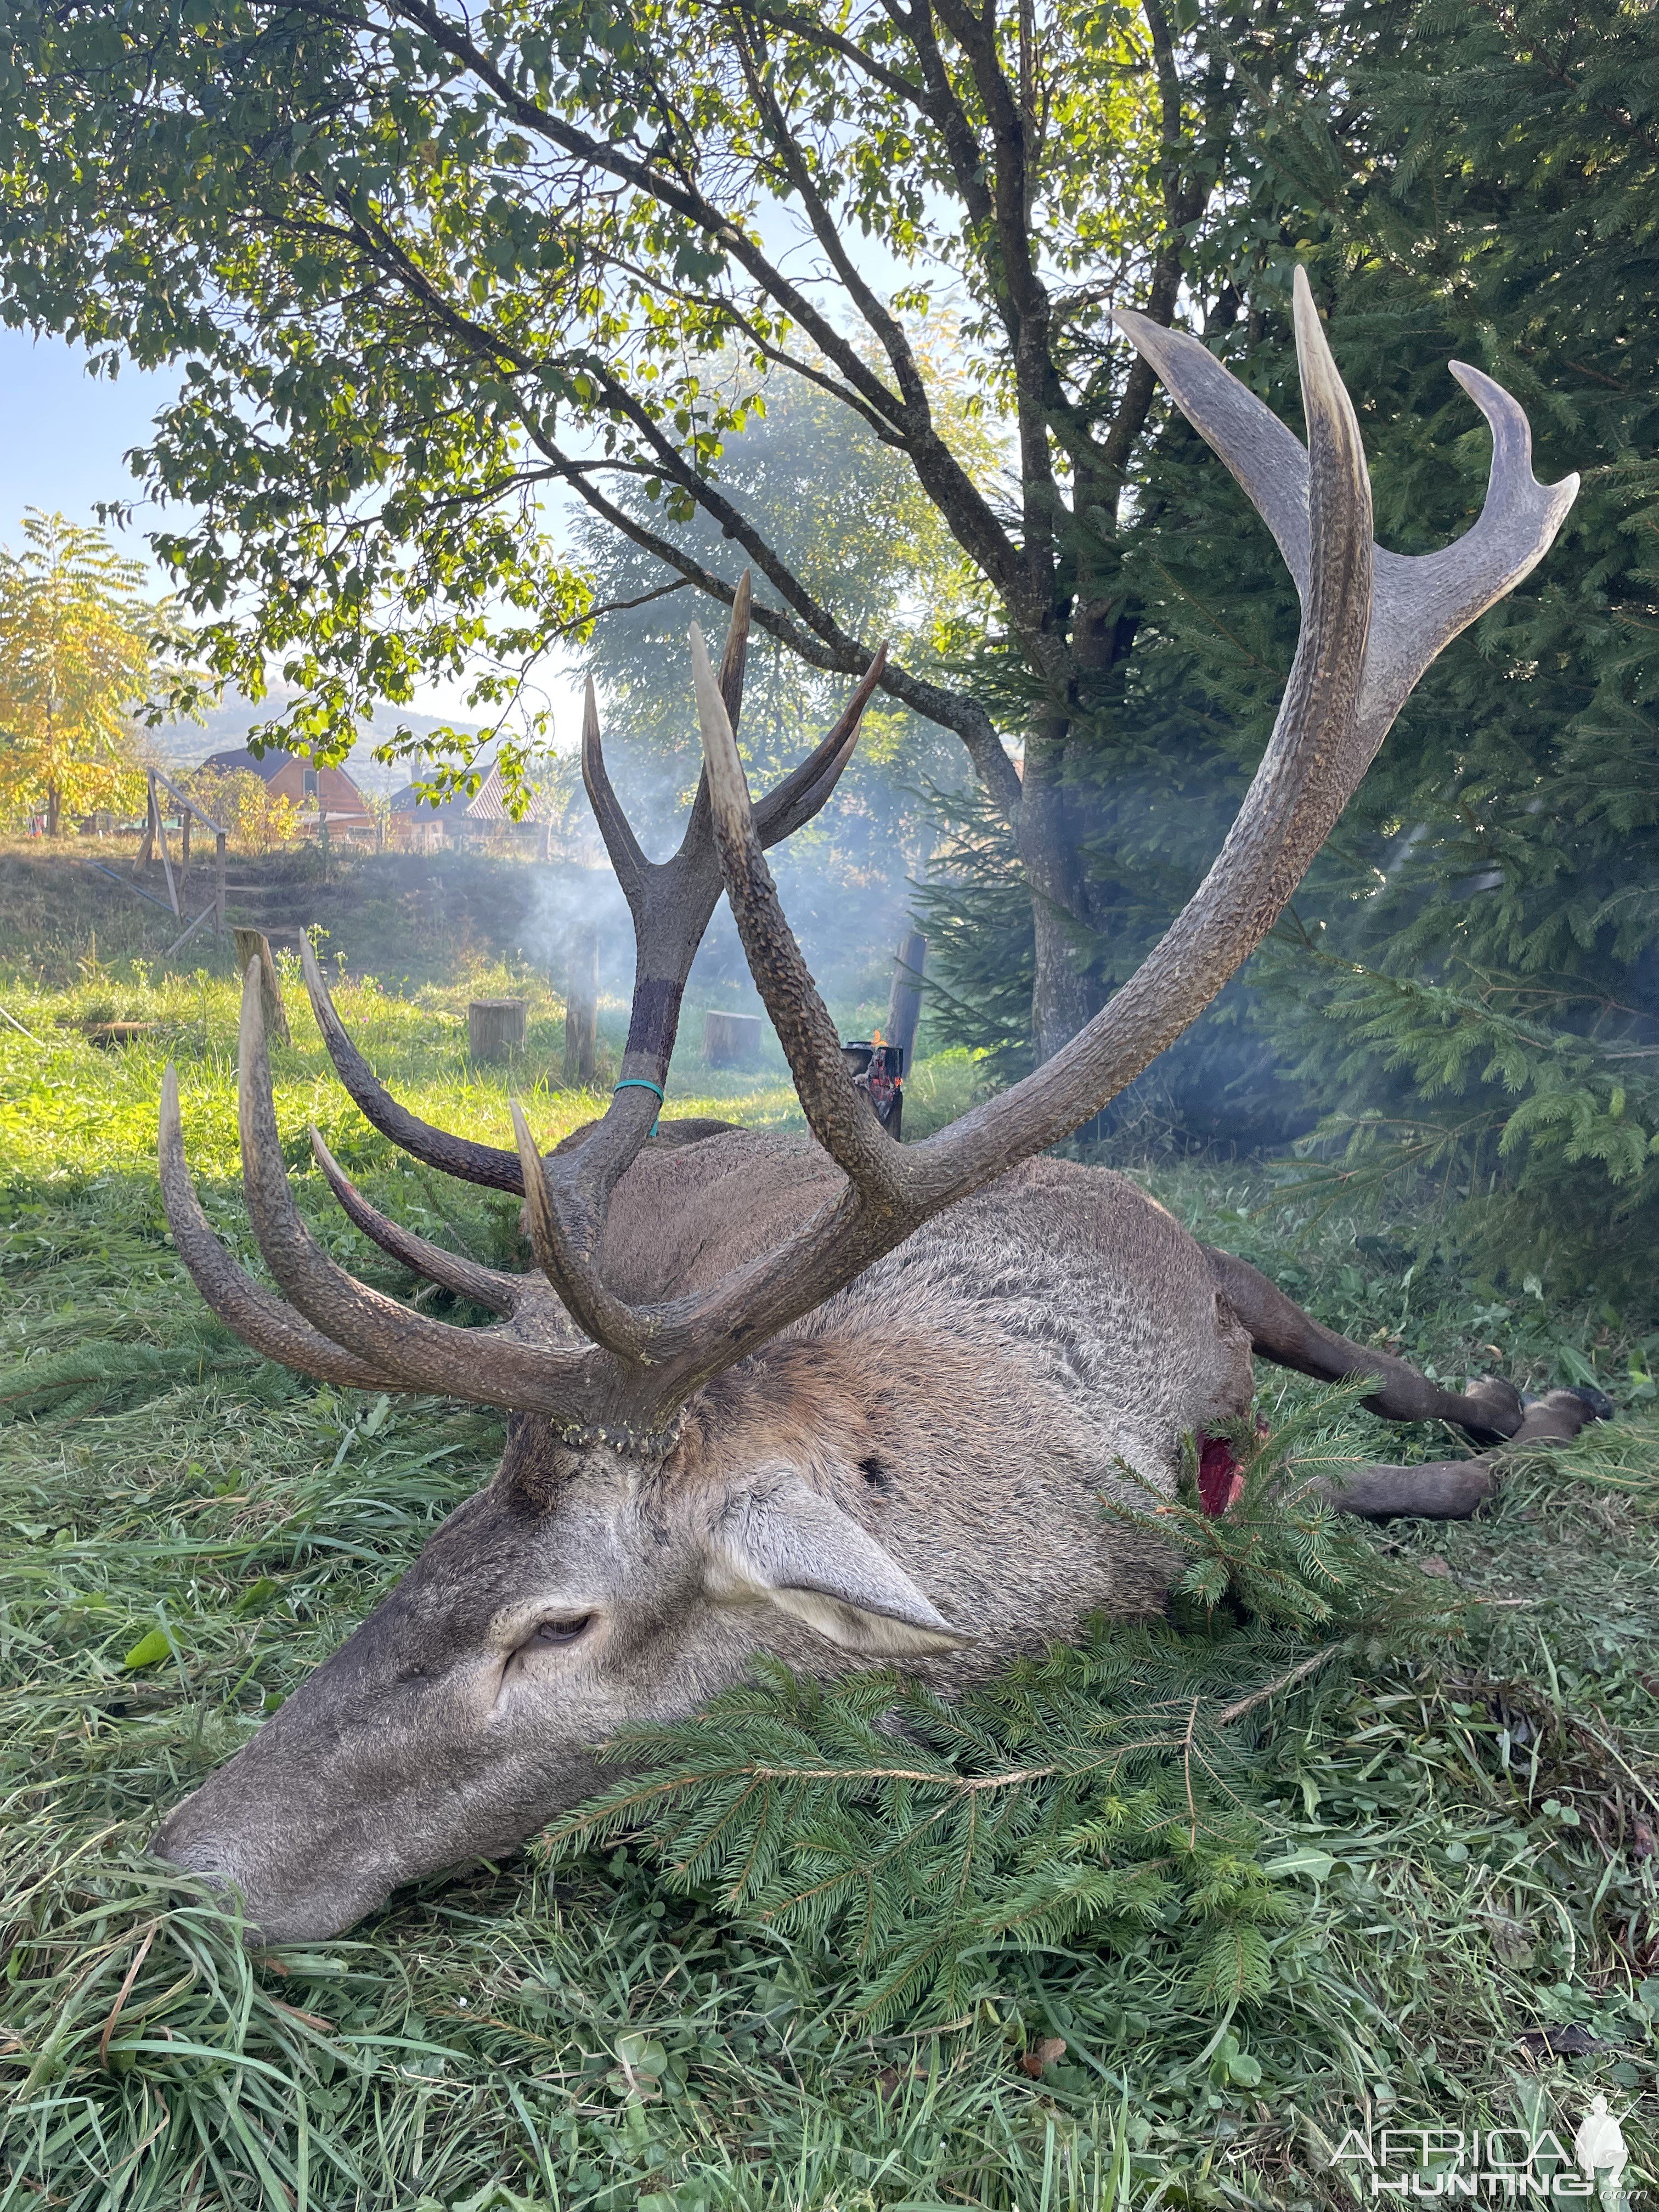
329	1807
274	1909
400	1757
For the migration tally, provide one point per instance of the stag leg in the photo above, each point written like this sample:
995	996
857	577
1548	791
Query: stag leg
1489	1412
1451	1489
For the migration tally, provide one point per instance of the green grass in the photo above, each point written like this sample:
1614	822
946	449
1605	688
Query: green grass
1464	1846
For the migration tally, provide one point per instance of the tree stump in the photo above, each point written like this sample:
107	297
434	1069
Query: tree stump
731	1040
252	945
581	1010
495	1027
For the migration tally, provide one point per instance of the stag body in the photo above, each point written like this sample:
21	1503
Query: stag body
844	1402
913	1471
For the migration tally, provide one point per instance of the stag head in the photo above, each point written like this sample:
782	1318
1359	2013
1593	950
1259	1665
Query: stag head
682	1489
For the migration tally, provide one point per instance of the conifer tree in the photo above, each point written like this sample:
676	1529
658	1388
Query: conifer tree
1467	983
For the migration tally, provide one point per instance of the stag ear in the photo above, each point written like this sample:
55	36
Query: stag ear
783	1542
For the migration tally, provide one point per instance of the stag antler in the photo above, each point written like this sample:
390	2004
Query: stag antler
671	902
636	1365
1371	624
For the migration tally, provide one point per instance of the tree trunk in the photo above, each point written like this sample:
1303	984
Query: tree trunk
1062	997
54	801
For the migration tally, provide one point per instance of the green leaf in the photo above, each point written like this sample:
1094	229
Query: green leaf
1316	1864
150	1649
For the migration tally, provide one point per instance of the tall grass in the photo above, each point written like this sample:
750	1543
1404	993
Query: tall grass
1464	1847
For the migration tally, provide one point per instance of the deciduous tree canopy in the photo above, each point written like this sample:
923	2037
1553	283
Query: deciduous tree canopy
422	264
77	640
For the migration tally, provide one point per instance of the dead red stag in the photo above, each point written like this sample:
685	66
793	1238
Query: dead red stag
841	1400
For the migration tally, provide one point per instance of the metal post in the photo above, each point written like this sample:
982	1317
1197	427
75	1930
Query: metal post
904	1006
219	882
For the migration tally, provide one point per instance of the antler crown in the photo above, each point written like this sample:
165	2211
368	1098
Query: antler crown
567	1346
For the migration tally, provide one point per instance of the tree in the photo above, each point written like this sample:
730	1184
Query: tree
1466	989
424	263
258	819
77	641
848	517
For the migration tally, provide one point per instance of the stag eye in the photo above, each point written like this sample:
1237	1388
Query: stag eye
561	1628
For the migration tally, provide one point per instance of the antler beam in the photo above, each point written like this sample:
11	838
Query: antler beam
1372	623
671	902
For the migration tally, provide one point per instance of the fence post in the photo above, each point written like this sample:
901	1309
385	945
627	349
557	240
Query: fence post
166	858
219	882
146	843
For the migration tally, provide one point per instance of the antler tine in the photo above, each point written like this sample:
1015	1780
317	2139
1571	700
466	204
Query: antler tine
1268	460
563	1259
734	660
837	1115
1421	602
241	1303
487	1165
793	802
485	1286
485	1367
627	857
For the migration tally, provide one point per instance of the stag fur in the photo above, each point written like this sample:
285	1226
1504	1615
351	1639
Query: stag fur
840	1401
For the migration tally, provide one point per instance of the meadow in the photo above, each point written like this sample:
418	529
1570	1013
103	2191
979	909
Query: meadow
1457	1843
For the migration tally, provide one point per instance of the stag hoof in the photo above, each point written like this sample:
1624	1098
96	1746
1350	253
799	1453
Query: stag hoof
1556	1417
1594	1406
1501	1404
1600	1406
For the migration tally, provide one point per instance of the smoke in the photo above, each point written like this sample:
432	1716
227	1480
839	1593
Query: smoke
845	885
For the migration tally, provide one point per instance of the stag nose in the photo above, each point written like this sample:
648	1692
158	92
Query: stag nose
182	1844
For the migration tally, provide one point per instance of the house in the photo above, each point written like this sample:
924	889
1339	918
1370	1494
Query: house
481	814
320	793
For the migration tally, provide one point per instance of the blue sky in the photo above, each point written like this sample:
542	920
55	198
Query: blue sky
63	436
65	432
